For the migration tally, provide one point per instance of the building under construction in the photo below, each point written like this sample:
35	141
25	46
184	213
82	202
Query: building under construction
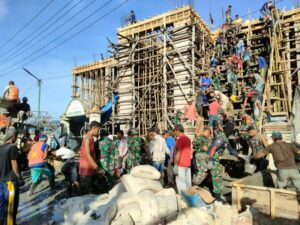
157	63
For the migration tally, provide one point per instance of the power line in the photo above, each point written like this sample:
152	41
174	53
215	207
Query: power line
71	37
26	25
18	52
41	26
66	32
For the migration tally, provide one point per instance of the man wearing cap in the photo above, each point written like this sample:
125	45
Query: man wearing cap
10	178
284	158
38	165
257	143
158	149
108	156
135	148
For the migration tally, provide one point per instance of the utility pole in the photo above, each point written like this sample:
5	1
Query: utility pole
39	96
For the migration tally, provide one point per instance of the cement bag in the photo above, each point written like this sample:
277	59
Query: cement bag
193	216
117	190
145	171
128	204
122	219
157	207
166	191
137	184
225	215
100	200
146	209
245	218
101	215
76	207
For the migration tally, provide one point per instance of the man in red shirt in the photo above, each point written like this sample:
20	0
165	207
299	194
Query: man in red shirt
87	165
182	162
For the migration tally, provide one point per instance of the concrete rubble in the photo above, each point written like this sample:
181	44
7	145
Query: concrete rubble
140	199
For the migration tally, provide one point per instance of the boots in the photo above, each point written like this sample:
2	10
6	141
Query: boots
52	183
217	197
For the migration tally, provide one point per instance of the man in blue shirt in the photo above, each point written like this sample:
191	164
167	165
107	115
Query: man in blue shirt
205	83
262	65
170	142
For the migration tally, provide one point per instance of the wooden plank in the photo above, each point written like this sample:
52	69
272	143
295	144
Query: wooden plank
273	202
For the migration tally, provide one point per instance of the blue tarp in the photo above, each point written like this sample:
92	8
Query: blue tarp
106	111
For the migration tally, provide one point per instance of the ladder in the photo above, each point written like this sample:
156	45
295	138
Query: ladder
275	96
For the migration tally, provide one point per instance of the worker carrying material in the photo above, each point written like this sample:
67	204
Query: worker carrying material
11	92
38	165
284	158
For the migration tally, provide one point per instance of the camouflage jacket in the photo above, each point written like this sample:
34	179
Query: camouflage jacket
199	142
135	145
108	155
256	144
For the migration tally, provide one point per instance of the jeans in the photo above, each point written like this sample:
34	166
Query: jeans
159	165
288	174
183	179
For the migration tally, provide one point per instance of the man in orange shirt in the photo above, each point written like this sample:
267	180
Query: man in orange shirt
11	91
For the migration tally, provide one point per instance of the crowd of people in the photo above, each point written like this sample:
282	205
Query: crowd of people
102	159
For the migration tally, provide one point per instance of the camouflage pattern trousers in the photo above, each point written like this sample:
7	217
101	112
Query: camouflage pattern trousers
202	171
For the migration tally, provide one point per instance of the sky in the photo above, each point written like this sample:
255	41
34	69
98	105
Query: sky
24	44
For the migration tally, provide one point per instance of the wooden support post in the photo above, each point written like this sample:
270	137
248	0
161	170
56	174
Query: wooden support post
165	103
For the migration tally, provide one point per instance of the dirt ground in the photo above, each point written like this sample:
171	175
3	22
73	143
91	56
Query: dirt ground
262	219
43	208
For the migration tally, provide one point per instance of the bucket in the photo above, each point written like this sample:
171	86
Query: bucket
250	168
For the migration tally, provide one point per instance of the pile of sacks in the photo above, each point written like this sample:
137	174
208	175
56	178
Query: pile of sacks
140	199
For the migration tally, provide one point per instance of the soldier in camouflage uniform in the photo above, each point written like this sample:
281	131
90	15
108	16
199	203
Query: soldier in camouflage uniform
257	143
135	147
200	158
217	148
244	136
108	156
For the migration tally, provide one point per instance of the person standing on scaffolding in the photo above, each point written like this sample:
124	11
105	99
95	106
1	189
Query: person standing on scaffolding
131	19
266	8
228	15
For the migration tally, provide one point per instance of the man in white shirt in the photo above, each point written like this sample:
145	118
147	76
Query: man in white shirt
158	149
122	147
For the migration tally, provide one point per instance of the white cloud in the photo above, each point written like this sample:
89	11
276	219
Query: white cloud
3	8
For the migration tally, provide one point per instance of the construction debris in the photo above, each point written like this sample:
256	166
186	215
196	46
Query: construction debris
148	204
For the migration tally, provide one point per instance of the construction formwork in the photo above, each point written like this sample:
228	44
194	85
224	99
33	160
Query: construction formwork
158	62
91	82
